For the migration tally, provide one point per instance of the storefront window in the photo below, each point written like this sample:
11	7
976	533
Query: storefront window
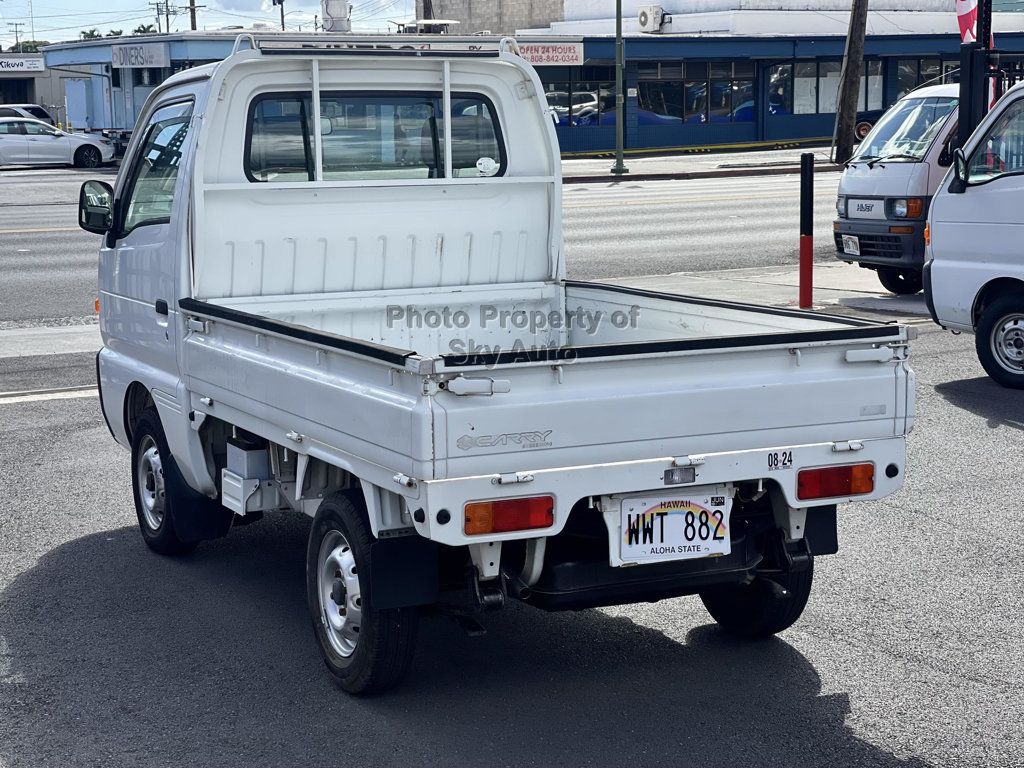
589	100
931	72
828	85
780	89
805	89
662	101
720	101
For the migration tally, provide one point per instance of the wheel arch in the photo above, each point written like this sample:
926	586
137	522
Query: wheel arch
991	291
137	398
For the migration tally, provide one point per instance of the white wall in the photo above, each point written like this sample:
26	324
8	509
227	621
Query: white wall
603	9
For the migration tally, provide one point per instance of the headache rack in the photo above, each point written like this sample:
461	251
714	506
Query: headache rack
325	44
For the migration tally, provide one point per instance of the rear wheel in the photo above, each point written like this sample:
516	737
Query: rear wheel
902	282
87	157
155	490
366	650
999	340
763	607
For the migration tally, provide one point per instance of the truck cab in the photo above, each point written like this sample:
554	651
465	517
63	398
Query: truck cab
886	190
974	277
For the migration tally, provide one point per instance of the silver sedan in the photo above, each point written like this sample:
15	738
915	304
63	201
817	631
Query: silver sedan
33	142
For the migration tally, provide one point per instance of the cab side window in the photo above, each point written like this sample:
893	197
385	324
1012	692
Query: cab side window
149	193
1002	150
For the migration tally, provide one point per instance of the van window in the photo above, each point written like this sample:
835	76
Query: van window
150	190
370	137
1002	150
907	130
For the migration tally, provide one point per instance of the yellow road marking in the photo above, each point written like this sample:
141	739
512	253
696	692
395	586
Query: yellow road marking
37	230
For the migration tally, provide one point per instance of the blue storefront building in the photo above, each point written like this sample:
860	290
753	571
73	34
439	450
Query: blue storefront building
682	92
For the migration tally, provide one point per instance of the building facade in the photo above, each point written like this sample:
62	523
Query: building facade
495	17
25	79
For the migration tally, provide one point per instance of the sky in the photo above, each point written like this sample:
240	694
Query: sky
57	20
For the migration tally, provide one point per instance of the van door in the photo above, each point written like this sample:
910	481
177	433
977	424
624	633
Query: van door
976	236
138	263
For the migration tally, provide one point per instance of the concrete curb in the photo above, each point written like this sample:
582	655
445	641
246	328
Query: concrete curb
718	173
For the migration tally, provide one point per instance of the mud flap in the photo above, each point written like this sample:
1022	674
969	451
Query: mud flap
403	572
196	517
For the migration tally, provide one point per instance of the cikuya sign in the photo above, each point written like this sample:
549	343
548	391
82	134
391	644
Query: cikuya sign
22	64
140	55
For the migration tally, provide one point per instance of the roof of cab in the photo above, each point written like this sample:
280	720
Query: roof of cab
947	89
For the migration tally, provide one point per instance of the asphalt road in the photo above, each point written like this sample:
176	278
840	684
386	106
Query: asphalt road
909	653
611	230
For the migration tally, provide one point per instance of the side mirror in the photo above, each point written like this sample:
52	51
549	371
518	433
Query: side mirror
959	184
95	207
326	127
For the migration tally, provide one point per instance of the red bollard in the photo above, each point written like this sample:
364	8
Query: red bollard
806	229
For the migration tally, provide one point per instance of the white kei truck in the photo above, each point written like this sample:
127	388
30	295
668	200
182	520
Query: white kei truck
333	281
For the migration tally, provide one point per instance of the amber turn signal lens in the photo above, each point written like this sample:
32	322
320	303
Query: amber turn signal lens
927	234
504	515
901	230
915	207
97	306
833	482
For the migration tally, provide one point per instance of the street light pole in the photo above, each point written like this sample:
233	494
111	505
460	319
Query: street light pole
620	98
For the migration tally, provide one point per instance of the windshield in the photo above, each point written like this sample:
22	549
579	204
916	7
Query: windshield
907	130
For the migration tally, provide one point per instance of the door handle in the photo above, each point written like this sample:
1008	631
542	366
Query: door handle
161	307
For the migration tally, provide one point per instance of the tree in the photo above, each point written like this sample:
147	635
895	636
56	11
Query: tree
144	29
115	33
91	34
29	46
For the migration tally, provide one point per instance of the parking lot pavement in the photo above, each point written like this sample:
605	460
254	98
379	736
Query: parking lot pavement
908	654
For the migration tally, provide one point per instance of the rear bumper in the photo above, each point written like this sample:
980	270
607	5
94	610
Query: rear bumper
879	246
570	484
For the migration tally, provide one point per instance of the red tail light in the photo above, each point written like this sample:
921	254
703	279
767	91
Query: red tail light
833	482
501	516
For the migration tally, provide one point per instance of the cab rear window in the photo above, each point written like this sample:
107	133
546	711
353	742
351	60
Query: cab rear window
370	137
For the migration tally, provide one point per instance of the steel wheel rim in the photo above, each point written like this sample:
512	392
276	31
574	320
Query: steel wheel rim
150	476
341	605
1007	343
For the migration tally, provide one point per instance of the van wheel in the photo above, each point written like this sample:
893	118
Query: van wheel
155	486
760	609
87	157
366	650
999	339
902	282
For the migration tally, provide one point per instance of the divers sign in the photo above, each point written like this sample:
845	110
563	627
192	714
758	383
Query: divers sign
140	55
22	64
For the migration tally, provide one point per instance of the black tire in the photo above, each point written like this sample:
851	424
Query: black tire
160	481
88	157
1000	330
902	282
384	640
757	610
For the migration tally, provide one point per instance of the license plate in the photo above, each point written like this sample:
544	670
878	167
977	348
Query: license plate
679	527
865	209
851	245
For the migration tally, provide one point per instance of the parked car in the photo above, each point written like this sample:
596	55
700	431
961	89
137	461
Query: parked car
464	425
31	111
974	278
886	189
33	142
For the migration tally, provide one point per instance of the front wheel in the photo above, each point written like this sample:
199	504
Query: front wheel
999	340
760	608
366	650
902	282
88	157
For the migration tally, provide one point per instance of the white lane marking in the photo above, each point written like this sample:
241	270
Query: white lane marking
72	393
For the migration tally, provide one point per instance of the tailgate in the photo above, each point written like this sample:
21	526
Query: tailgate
609	409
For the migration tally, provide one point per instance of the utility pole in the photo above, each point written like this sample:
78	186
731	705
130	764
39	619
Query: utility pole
192	13
849	83
975	88
281	4
620	98
16	26
167	15
156	8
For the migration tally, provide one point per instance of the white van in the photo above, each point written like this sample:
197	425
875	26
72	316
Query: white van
885	191
974	279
